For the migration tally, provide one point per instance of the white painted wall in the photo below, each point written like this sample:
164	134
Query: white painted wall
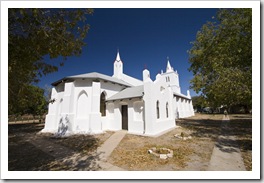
80	101
153	92
135	120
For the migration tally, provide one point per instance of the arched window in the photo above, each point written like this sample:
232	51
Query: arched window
157	106
167	109
102	104
82	105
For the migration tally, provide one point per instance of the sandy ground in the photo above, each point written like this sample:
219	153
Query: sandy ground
29	150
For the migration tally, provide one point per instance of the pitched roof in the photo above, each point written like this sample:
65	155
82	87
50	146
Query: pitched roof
181	95
136	91
93	75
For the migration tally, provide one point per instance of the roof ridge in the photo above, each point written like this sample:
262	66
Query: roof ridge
94	75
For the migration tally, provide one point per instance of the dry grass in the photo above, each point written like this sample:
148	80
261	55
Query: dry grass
132	152
138	158
194	154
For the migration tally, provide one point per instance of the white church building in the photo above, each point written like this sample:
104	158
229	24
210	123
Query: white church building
94	102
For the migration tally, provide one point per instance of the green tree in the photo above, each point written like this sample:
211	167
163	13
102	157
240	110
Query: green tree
34	101
221	59
34	34
199	102
31	100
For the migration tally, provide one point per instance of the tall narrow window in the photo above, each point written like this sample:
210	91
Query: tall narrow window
83	108
102	104
157	106
167	109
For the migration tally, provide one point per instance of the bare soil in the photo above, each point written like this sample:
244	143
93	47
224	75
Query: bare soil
191	154
29	150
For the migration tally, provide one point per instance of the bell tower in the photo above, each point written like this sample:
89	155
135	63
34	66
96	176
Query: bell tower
172	77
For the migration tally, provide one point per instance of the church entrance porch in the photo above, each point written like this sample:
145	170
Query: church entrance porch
124	117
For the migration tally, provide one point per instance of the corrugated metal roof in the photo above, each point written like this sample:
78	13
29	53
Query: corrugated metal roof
93	75
136	91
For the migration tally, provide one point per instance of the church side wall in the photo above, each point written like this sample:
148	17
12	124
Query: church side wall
109	89
52	118
185	107
82	96
166	120
158	99
76	100
95	115
135	116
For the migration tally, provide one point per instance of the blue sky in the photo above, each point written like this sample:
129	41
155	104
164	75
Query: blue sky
143	37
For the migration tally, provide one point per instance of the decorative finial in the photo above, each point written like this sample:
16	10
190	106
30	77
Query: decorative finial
169	68
118	56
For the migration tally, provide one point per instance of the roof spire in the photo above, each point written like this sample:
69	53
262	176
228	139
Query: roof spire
118	56
169	68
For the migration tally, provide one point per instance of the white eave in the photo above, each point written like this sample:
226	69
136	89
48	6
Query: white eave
181	95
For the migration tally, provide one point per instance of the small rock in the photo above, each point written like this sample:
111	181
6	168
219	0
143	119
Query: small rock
177	136
150	151
163	156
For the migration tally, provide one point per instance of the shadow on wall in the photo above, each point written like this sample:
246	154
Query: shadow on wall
63	126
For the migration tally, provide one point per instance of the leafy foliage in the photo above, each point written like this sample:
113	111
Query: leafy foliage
199	102
34	34
31	101
221	58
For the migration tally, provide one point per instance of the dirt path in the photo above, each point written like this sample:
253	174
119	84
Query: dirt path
226	154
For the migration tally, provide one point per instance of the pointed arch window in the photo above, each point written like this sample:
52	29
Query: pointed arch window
167	109
102	104
82	105
157	109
